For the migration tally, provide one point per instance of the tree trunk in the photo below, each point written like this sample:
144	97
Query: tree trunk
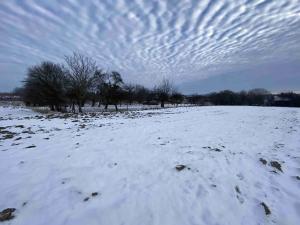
116	106
162	104
106	105
79	103
73	107
79	108
57	108
64	109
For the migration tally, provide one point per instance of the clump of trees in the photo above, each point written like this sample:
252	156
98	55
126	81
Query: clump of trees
79	80
254	97
227	97
110	88
288	99
46	84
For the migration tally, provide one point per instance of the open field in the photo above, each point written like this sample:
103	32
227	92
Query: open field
235	165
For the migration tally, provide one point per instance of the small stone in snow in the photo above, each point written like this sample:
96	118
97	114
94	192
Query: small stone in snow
180	167
94	194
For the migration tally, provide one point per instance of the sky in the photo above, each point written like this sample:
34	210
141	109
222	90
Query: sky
200	45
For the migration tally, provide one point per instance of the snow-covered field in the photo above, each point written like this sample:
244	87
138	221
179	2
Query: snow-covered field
240	165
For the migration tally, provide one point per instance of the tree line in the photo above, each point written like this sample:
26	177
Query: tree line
80	80
254	97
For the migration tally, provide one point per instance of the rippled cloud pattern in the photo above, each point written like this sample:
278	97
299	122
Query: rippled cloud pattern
149	39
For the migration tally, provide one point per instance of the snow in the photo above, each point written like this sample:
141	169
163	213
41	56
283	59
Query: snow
129	159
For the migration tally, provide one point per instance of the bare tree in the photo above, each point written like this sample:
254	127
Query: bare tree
99	80
176	98
163	91
143	95
81	70
129	92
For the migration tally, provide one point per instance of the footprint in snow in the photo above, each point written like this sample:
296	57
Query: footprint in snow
240	176
239	193
14	144
258	185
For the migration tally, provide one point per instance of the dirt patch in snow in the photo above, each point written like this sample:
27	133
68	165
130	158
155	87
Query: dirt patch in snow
7	214
276	165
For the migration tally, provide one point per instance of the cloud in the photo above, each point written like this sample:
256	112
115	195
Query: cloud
145	40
